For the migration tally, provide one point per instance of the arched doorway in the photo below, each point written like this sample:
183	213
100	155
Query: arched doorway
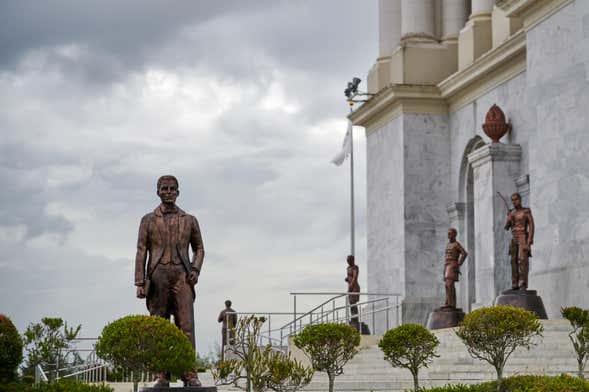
467	286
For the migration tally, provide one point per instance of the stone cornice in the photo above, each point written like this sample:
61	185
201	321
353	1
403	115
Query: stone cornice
486	73
532	12
495	152
396	99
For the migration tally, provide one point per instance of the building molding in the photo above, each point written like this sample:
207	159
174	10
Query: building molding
531	12
495	152
397	99
494	68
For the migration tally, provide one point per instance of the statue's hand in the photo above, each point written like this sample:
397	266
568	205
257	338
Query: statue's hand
193	277
140	292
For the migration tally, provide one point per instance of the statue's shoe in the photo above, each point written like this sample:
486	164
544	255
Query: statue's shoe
161	382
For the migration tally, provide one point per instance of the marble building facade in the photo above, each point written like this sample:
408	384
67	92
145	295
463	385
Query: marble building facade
442	64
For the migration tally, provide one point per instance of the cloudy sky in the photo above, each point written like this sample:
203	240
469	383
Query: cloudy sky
241	100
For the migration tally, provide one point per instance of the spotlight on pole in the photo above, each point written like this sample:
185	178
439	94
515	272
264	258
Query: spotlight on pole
351	92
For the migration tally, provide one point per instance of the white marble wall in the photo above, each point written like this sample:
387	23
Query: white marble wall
558	90
414	173
386	263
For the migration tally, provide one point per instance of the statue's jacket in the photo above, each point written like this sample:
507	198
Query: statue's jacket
154	236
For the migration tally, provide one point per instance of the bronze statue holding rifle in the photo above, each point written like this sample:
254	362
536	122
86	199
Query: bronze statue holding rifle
520	221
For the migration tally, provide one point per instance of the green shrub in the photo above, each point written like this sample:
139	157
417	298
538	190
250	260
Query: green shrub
260	367
329	346
409	346
10	349
146	344
47	344
579	336
492	334
562	383
59	386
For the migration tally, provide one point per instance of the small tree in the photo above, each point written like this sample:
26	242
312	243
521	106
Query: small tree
492	334
409	346
10	349
329	346
146	344
261	367
47	343
579	336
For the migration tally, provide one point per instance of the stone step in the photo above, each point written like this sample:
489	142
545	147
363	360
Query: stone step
368	371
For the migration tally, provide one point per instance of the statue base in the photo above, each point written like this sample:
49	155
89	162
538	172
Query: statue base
360	327
525	299
445	317
178	389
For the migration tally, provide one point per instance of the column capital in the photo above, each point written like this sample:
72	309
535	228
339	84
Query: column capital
456	210
495	152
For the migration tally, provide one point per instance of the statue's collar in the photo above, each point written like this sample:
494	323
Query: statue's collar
159	211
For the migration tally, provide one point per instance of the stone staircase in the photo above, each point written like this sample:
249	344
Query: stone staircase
368	371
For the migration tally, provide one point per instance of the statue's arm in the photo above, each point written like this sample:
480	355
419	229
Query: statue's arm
463	254
354	279
221	317
508	221
142	247
531	228
198	251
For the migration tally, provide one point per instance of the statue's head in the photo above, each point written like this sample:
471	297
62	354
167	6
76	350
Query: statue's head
228	303
516	200
350	260
167	189
452	233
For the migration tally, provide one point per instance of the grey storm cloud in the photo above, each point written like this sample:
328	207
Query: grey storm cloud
241	100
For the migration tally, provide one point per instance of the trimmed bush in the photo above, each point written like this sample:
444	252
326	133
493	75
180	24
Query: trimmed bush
59	386
579	336
329	346
409	346
146	344
492	334
11	346
261	368
562	383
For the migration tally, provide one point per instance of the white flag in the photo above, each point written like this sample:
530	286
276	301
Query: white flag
346	147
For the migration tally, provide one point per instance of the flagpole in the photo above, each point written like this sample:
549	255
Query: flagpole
352	212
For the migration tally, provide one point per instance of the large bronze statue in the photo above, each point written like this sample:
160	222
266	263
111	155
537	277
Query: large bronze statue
454	258
229	320
167	282
521	223
353	287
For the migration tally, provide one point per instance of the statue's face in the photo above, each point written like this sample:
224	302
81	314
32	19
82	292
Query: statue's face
451	235
517	202
168	191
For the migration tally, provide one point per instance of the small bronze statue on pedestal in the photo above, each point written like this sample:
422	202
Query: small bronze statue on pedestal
448	315
229	320
521	222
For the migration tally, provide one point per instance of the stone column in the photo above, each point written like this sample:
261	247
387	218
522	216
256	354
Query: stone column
389	36
479	7
477	36
417	21
495	168
389	26
453	19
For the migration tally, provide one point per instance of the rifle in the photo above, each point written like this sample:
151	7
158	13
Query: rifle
504	202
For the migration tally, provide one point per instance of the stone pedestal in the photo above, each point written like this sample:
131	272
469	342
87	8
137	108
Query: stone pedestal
528	300
495	168
445	317
179	389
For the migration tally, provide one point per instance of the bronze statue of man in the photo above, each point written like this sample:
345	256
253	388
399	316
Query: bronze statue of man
167	281
521	223
454	258
229	320
353	287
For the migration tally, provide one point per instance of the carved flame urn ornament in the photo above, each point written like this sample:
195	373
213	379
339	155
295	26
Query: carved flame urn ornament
495	125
